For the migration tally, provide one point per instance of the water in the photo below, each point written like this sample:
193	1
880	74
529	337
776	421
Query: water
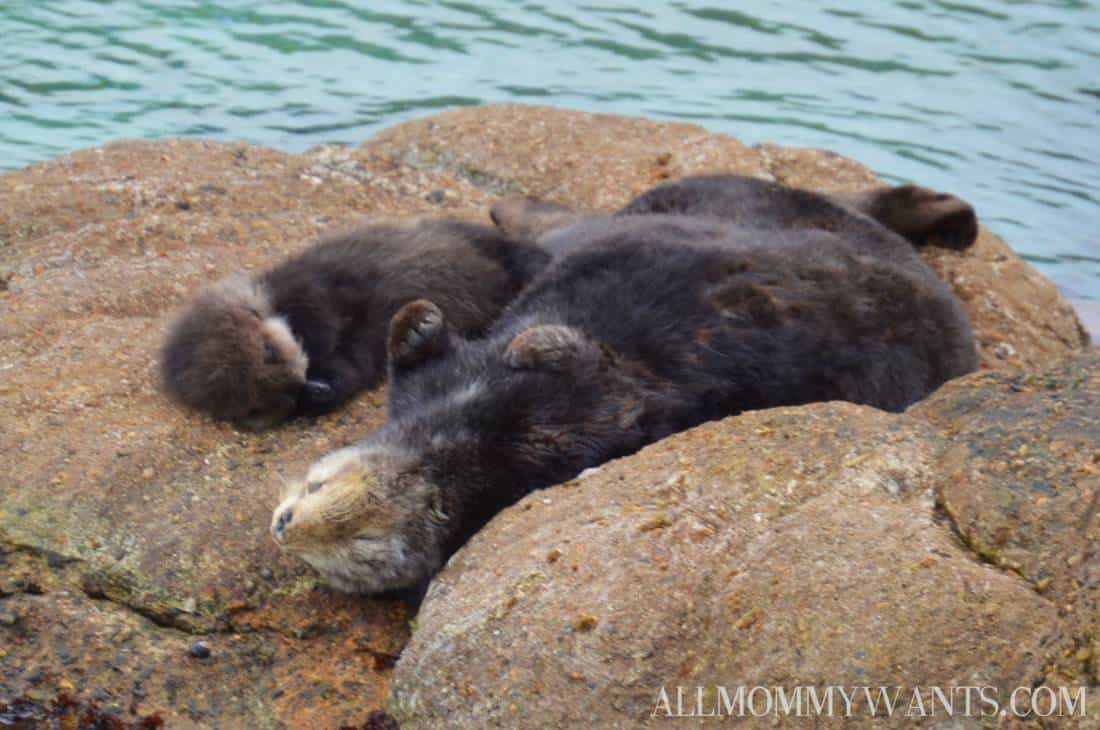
995	100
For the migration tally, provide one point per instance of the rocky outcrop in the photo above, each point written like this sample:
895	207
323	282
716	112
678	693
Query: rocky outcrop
130	529
824	545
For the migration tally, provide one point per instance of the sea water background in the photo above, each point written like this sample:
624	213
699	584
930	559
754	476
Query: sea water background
995	100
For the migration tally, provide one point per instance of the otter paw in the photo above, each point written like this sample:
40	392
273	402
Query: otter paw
315	394
927	217
551	347
416	331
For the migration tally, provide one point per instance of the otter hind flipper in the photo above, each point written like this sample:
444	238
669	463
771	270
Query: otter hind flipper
924	216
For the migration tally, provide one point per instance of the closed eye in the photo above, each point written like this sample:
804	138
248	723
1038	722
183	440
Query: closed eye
313	487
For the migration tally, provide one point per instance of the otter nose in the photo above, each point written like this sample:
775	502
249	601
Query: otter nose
281	522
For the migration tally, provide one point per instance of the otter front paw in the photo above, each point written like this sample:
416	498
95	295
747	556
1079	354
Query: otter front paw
417	331
552	347
316	397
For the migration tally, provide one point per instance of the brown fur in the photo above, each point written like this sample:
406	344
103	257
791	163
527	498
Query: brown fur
242	361
925	217
525	219
228	355
703	298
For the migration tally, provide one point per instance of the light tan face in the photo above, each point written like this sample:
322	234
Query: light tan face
272	357
228	353
359	521
341	496
278	379
284	346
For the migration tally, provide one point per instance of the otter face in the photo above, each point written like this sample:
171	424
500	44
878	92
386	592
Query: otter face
277	381
229	355
362	521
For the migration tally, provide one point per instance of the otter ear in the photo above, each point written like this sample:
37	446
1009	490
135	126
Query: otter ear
418	332
552	347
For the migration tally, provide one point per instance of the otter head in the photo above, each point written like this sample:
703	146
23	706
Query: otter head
366	521
229	355
473	426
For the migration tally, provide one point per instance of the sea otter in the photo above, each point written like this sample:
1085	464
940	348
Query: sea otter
305	336
645	324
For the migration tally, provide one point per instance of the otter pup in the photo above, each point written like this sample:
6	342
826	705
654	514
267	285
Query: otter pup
645	326
305	336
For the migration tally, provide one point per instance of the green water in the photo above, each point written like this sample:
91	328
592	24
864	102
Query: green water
996	101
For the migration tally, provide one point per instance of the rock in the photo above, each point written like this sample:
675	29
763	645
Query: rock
199	650
829	544
130	526
1021	482
158	517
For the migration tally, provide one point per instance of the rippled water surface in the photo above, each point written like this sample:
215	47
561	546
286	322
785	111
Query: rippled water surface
997	101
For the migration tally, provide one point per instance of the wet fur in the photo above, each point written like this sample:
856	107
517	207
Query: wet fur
646	324
337	299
